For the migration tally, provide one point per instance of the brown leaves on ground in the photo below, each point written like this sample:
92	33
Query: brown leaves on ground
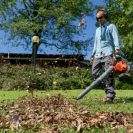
52	114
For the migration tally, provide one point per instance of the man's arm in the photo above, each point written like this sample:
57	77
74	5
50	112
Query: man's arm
94	48
116	39
93	51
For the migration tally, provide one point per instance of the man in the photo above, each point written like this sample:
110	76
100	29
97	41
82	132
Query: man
105	45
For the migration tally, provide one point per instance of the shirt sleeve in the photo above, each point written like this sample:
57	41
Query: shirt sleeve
115	37
95	44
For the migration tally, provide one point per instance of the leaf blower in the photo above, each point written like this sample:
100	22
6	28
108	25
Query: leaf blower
121	68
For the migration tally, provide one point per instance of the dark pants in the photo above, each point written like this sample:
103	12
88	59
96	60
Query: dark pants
99	66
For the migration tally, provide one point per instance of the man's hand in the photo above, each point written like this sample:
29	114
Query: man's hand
117	51
92	58
91	61
115	58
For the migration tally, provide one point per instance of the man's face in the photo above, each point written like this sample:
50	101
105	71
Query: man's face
100	17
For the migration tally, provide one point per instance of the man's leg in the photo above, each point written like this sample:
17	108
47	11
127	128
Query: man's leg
96	68
109	82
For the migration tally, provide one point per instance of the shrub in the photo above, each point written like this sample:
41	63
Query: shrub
22	77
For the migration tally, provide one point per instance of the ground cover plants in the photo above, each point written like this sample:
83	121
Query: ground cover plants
21	77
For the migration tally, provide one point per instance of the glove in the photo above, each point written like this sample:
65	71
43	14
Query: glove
92	58
91	61
117	51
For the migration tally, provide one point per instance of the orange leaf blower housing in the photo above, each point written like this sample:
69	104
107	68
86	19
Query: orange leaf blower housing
121	66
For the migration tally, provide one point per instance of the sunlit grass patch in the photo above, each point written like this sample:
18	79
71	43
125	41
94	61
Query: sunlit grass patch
92	101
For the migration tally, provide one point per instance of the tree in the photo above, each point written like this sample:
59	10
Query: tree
54	21
121	13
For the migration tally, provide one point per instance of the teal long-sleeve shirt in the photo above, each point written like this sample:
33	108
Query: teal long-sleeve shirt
106	40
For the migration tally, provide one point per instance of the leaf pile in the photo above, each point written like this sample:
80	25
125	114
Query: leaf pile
55	113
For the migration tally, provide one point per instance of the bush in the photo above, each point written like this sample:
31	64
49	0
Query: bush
22	77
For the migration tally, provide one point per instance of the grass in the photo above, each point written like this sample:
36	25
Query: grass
92	101
92	130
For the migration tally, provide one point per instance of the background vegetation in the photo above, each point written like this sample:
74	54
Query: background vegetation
54	21
121	14
22	76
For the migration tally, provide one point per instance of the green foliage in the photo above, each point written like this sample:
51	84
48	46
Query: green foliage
121	13
21	77
51	20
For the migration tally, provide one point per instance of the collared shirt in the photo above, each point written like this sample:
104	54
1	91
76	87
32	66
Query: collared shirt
106	40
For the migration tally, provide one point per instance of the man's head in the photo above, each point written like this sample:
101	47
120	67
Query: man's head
101	16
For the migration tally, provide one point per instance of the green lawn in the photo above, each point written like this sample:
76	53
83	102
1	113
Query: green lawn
92	101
